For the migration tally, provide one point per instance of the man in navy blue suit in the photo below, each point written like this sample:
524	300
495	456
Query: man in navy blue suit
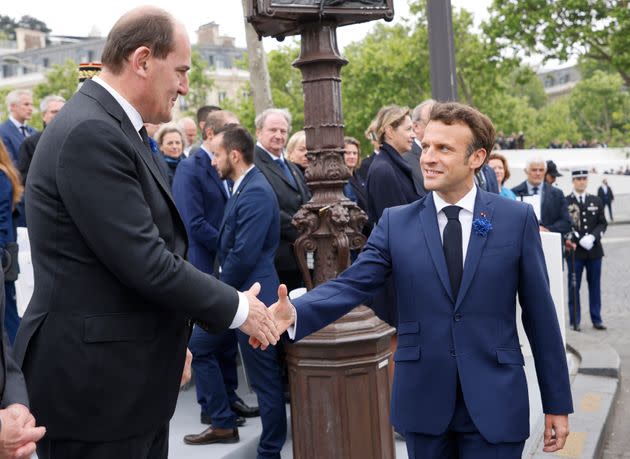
200	195
248	241
554	212
14	130
459	388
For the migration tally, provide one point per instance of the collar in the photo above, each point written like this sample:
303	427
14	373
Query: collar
271	155
16	123
466	203
530	187
133	114
579	195
418	142
239	180
208	152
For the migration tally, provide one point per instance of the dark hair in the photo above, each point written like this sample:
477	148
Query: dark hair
506	169
204	111
216	120
235	137
150	27
483	133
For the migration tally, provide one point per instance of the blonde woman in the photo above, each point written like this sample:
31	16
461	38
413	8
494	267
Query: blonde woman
10	194
296	150
170	140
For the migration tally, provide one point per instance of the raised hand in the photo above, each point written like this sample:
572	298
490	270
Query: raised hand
260	323
18	434
283	312
556	432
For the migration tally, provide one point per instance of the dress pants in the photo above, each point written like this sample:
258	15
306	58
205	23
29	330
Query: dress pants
593	277
11	318
214	365
152	445
461	440
265	376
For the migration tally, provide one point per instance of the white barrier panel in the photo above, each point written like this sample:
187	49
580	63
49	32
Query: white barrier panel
553	259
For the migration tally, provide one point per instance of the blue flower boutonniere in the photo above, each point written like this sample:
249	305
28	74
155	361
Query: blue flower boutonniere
481	225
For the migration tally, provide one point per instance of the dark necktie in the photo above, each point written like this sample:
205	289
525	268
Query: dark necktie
452	245
24	131
230	186
581	200
286	171
534	190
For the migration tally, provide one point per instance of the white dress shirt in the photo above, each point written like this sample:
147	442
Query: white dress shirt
136	119
239	180
467	204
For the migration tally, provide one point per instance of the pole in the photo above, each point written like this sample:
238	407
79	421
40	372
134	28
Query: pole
574	287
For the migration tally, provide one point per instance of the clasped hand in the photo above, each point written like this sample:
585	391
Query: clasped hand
18	433
283	314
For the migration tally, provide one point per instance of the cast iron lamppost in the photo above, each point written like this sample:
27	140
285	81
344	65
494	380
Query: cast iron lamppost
338	376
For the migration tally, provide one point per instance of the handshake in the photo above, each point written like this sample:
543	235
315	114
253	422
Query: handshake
265	325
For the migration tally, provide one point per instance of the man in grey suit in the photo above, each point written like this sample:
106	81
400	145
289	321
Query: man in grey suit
18	433
419	118
103	341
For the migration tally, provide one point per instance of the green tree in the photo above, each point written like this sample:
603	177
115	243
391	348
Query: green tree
554	123
559	29
61	80
600	107
199	83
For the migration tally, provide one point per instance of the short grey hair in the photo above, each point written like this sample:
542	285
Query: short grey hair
43	105
535	160
416	115
14	96
184	120
260	119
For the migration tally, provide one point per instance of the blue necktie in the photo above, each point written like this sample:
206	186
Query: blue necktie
24	131
286	171
452	246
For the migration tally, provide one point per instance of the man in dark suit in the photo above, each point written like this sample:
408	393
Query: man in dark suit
419	118
588	225
14	130
554	214
272	130
49	107
18	433
459	386
248	240
605	193
200	195
103	341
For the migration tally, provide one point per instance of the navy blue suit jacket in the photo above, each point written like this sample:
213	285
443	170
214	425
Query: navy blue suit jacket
200	198
492	183
13	138
249	237
554	209
474	336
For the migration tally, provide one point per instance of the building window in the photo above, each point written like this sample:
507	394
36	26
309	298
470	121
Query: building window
222	96
45	62
211	60
90	55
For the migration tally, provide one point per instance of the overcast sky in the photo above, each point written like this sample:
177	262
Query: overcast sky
66	18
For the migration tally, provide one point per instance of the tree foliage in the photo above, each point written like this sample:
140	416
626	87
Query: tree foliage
8	25
560	29
199	82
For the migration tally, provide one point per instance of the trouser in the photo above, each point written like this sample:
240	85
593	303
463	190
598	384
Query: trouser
593	277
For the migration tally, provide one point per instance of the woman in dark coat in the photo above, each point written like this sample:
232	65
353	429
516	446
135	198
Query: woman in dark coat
170	139
354	190
390	183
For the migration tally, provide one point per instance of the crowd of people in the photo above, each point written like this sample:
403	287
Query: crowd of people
119	196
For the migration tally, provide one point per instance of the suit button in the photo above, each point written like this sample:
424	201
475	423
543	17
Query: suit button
458	317
453	353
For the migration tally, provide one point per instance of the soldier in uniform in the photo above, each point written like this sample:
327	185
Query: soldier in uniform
583	243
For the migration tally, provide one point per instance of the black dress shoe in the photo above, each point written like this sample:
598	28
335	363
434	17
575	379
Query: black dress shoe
599	326
241	409
206	419
577	329
212	435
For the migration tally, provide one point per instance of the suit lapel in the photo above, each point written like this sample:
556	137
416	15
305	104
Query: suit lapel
429	226
273	167
475	244
231	204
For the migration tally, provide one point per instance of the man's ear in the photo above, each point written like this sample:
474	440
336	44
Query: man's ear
477	158
140	60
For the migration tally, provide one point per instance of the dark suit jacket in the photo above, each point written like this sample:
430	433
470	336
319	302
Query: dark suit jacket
492	184
389	183
606	198
290	199
413	158
249	237
200	197
587	218
554	210
103	341
473	337
365	166
13	138
12	386
25	155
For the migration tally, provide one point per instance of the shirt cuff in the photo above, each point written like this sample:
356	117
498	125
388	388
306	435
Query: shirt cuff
292	328
242	312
